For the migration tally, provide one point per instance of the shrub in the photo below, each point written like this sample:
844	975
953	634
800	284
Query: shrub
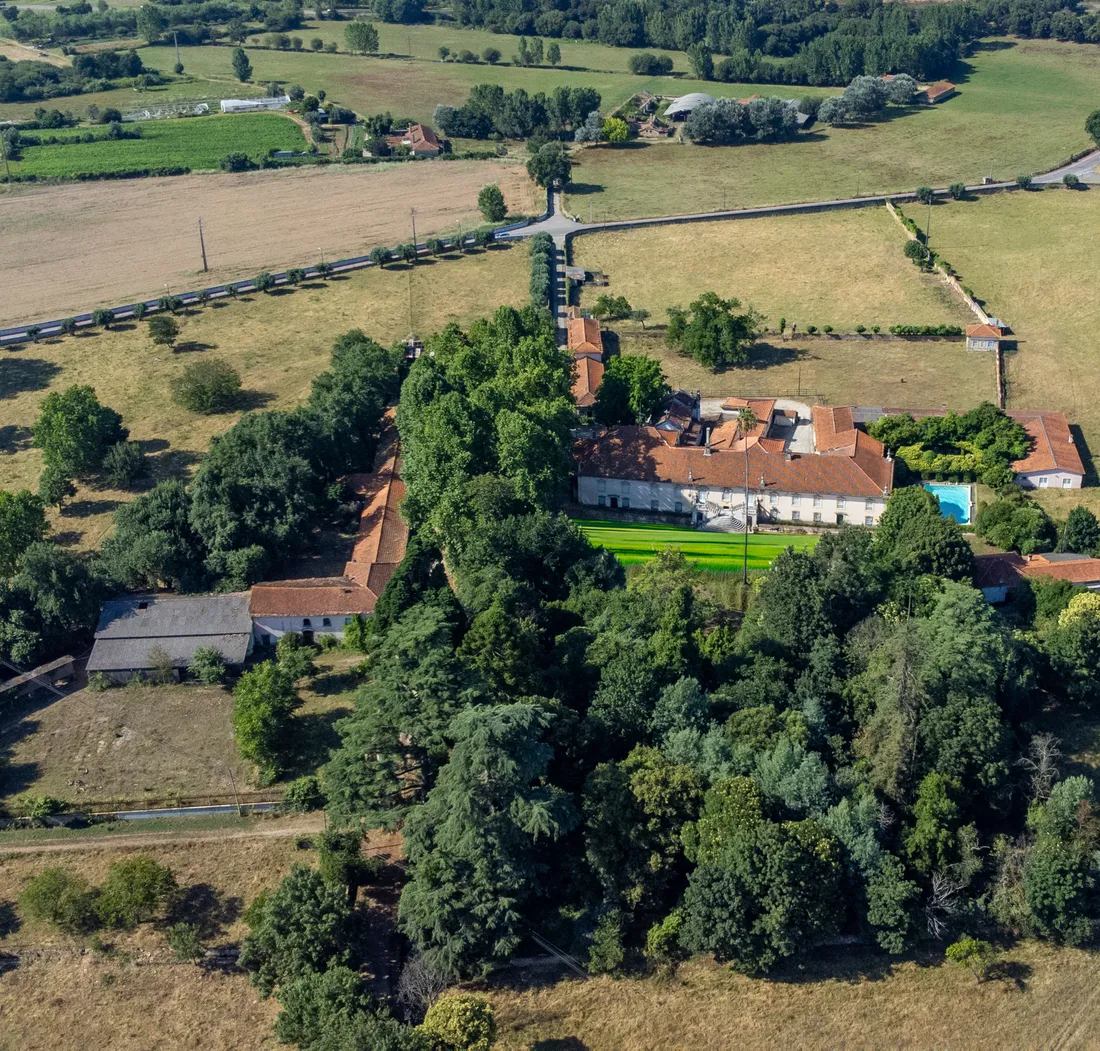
1070	181
61	898
295	656
915	251
207	386
236	162
263	282
134	891
811	329
957	190
98	682
925	194
861	329
316	43
435	246
380	257
1024	182
461	1021
207	666
978	957
102	318
407	252
295	275
827	329
491	203
124	465
163	330
303	795
184	941
68	326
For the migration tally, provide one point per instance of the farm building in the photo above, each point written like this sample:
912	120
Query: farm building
986	336
584	339
996	575
254	105
1054	461
420	139
679	108
938	92
698	468
134	635
325	605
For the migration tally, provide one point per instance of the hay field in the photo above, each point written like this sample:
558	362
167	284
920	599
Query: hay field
278	343
75	247
830	268
836	1000
921	373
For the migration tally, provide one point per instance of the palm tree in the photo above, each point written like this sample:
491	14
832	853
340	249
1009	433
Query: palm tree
746	420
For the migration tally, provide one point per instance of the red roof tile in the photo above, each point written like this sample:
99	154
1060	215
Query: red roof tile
1009	569
641	454
583	333
587	381
1052	445
319	597
985	331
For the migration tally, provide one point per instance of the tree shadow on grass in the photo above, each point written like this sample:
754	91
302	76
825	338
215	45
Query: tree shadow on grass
9	919
315	738
768	355
193	346
248	400
23	374
562	1043
207	908
87	508
14	439
583	189
335	682
312	286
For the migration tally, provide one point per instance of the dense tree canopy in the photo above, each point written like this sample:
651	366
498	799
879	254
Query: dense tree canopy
712	332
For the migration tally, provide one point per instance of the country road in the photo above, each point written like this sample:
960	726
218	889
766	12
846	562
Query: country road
283	828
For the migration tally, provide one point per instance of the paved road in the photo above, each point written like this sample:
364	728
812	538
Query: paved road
1086	169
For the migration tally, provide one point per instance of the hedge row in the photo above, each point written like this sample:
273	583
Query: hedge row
137	173
542	260
926	330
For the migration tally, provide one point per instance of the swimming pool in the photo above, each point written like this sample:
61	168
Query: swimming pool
954	500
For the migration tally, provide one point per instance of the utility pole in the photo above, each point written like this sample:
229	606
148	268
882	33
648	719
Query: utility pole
412	215
4	155
176	38
202	247
412	330
858	174
991	163
928	229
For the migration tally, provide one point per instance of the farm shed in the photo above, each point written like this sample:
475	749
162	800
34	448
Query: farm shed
132	630
681	107
254	105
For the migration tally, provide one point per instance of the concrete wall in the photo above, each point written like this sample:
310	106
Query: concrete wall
666	497
1053	480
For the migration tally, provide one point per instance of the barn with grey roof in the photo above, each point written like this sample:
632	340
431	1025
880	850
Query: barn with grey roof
134	632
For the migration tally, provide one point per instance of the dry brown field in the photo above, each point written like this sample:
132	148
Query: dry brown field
1047	999
278	343
147	746
71	248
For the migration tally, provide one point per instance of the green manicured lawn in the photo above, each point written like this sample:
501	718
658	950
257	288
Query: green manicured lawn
195	142
633	543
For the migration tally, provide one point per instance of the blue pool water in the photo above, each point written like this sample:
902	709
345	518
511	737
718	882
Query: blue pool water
954	500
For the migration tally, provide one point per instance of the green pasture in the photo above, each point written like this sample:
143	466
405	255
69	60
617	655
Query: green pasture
634	543
193	142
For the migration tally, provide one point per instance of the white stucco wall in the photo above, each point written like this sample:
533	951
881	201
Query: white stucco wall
668	498
266	631
1054	480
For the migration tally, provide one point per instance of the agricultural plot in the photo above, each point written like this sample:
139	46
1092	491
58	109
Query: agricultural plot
633	543
196	143
1028	256
1022	103
278	343
253	221
840	269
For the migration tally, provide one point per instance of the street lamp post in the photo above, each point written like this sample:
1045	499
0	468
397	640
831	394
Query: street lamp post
991	163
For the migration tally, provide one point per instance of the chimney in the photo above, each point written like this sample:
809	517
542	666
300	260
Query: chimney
691	477
706	441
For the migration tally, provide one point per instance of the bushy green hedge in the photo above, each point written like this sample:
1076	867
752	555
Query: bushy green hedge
542	262
926	330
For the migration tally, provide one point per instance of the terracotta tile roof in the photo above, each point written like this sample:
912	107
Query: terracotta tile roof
985	331
1052	445
383	534
641	454
834	428
317	597
938	90
1010	570
417	137
583	334
587	381
728	433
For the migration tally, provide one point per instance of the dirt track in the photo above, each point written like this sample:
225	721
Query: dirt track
75	247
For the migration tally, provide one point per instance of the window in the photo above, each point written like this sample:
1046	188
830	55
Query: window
703	494
869	520
601	485
773	498
653	505
601	500
1043	482
817	516
325	622
626	501
679	507
306	622
840	520
817	501
796	516
1066	483
839	502
869	505
726	496
347	620
796	500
